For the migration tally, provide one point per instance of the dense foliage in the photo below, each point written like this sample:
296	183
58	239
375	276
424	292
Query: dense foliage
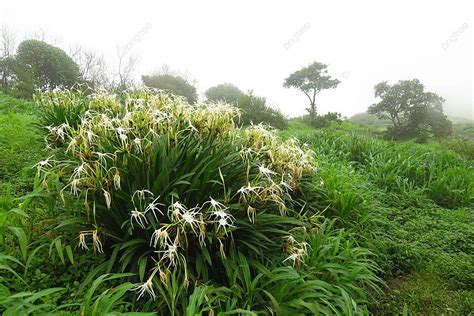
413	111
38	65
412	204
172	83
255	111
185	213
226	92
90	238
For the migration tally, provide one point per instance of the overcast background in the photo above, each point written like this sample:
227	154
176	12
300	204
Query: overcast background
256	44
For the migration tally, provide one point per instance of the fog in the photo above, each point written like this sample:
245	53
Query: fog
255	45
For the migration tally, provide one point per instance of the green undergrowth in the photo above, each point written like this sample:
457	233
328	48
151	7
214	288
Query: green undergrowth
410	204
399	211
144	203
20	145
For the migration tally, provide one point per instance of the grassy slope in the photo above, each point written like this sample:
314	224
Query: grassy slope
20	148
425	250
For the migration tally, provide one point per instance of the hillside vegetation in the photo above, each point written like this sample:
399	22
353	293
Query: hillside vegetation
140	202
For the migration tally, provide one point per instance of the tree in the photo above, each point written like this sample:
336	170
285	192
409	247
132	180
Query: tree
126	67
7	49
173	83
255	111
92	67
226	92
40	65
412	110
311	80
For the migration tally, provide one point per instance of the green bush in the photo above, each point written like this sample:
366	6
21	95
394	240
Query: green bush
39	65
172	83
461	145
59	109
326	120
255	111
191	205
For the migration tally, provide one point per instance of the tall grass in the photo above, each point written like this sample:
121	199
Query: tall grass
443	175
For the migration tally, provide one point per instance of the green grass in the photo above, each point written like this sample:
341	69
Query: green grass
20	146
422	294
409	204
422	234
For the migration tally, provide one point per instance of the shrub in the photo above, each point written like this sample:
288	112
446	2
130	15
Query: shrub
172	83
461	145
255	111
325	120
60	108
225	92
193	206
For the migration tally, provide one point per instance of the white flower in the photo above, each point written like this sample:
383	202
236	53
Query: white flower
108	198
291	239
102	156
246	153
84	121
153	206
141	194
251	214
189	217
74	189
123	138
223	223
191	127
78	170
90	136
176	209
43	163
97	242
297	251
160	236
223	219
285	185
138	144
122	134
146	287
82	241
265	171
121	130
215	206
58	131
171	253
294	258
246	190
139	218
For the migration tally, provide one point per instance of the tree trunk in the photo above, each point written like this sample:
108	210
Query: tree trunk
312	110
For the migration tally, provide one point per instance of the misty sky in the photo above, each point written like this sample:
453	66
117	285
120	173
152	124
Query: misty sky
255	45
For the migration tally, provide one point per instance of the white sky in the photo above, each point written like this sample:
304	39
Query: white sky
256	44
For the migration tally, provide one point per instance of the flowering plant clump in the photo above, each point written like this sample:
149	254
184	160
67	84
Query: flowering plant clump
176	192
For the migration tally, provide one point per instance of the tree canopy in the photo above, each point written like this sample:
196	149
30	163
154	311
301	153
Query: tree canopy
224	92
255	110
311	80
412	110
41	65
173	83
